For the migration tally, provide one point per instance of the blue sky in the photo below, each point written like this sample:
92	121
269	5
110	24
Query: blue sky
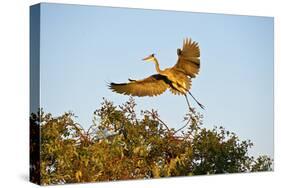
84	47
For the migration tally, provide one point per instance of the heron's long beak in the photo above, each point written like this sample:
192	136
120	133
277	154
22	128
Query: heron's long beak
146	58
149	58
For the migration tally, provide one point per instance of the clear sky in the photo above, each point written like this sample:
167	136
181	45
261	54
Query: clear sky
84	47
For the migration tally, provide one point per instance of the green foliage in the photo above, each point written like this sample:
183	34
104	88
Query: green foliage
119	145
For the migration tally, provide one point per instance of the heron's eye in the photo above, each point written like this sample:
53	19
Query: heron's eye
152	55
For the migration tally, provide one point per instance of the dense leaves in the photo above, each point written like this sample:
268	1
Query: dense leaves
123	145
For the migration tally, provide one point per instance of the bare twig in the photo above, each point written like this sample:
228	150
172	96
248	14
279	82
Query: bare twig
166	126
183	126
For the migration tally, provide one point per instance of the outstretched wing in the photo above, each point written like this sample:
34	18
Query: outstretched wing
188	58
151	86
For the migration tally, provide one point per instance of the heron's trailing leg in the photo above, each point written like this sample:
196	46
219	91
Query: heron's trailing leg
201	105
187	102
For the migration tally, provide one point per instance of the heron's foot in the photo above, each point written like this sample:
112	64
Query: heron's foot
191	109
201	105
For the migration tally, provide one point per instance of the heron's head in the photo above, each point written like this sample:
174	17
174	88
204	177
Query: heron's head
149	58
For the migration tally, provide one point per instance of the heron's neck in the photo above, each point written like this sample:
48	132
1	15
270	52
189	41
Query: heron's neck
157	66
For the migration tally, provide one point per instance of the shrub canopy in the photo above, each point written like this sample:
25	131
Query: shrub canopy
121	145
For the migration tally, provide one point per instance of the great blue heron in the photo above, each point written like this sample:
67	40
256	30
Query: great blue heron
177	78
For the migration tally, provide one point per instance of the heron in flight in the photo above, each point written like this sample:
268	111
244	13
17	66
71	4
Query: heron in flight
177	78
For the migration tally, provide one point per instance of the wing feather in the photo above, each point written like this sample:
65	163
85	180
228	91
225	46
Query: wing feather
188	58
151	86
